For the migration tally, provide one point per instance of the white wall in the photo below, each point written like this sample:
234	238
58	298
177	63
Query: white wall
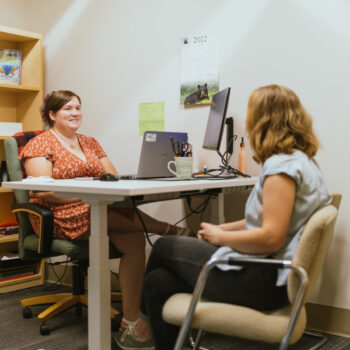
13	13
117	54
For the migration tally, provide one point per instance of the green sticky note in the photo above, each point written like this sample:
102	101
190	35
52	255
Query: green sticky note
151	117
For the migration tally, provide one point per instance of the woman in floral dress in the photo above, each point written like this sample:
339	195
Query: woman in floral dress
61	153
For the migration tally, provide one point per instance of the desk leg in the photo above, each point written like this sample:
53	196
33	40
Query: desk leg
217	210
99	282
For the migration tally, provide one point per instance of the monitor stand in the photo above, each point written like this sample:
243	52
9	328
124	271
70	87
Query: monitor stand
229	146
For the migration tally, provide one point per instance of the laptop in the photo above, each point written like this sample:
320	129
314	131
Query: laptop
156	152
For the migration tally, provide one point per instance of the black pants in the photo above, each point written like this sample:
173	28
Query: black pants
174	266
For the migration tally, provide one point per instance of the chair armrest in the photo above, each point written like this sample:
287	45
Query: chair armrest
46	223
269	263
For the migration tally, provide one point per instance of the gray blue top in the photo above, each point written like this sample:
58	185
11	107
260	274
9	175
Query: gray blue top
311	194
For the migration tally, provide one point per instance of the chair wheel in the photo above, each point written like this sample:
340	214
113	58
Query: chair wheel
27	313
44	329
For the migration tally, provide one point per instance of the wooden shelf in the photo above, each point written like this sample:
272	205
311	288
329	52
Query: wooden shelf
25	282
6	190
17	35
18	88
21	104
8	239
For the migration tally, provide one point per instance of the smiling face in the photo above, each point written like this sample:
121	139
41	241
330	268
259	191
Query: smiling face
68	118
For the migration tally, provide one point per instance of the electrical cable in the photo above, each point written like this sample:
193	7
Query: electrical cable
142	222
225	167
58	283
197	210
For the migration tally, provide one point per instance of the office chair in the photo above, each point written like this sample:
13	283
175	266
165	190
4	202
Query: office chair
32	247
285	325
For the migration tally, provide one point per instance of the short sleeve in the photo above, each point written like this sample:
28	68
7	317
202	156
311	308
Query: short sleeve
99	150
39	146
93	145
291	165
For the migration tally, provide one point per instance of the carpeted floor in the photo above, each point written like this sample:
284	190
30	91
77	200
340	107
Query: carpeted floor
69	332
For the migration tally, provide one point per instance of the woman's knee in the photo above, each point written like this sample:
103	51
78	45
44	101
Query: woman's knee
129	242
167	242
180	247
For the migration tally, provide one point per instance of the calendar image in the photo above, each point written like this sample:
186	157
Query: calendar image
199	70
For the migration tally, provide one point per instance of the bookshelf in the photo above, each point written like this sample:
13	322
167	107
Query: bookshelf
20	104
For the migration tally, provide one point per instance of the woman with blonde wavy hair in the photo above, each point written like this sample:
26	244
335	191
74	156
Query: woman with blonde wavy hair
289	189
277	123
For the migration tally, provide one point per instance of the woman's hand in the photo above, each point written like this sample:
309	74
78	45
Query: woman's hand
211	233
278	202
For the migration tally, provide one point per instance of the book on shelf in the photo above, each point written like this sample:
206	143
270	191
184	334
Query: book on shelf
14	272
9	230
15	269
10	66
3	279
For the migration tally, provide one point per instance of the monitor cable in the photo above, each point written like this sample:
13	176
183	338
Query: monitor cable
200	209
58	283
226	167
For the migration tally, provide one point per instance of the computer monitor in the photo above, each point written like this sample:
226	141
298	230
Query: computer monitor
216	120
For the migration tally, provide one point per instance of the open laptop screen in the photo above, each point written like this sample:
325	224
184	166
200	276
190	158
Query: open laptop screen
156	152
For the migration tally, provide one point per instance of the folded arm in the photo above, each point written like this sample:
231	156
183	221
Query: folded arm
40	166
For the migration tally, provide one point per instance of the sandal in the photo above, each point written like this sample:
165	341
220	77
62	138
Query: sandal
180	231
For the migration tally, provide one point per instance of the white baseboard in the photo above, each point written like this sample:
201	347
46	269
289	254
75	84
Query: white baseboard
328	319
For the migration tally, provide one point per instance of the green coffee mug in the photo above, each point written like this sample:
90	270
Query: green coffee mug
183	167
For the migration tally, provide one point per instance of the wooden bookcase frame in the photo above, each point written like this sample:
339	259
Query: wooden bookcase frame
21	104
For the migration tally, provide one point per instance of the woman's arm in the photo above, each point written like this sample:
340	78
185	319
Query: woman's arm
109	167
278	202
40	166
233	226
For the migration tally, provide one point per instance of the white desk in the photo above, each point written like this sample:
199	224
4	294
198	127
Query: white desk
99	194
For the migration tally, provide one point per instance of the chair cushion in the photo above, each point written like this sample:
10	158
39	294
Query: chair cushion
73	249
315	240
234	320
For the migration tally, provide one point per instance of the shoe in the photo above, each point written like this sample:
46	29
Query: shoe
126	339
183	231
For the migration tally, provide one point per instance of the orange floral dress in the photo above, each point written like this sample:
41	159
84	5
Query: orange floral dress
71	220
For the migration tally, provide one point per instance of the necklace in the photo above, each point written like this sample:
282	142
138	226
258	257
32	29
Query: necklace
70	145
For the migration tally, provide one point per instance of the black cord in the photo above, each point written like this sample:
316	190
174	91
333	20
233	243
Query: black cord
58	284
225	167
197	210
142	222
233	138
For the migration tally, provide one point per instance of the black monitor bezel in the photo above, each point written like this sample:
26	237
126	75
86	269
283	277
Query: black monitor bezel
217	147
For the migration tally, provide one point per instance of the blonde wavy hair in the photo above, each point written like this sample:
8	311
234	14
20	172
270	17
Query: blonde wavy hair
277	122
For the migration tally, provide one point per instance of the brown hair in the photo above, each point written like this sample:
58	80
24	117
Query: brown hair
277	122
54	101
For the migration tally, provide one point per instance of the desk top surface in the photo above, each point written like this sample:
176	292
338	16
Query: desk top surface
127	187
